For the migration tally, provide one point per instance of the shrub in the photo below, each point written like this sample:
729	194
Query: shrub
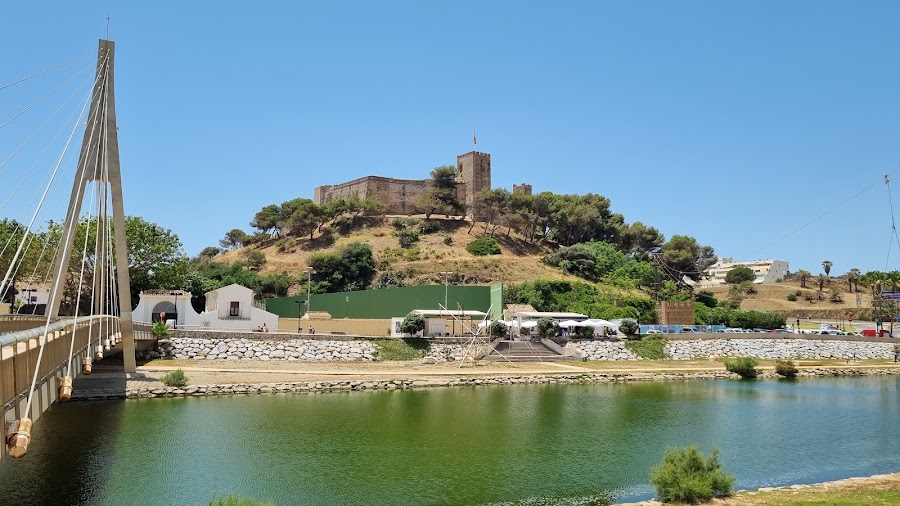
412	254
786	368
685	475
255	259
498	329
586	332
429	227
448	240
401	349
547	327
175	378
407	237
484	246
629	327
412	324
744	367
236	500
160	329
649	347
792	297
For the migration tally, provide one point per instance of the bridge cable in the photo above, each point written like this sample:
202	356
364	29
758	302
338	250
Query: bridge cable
87	235
40	205
31	237
826	213
46	278
56	284
49	183
893	235
30	170
51	92
22	80
41	127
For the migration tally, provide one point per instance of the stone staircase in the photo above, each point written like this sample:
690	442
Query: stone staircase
525	351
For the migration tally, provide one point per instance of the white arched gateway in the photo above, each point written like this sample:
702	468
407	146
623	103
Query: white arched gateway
230	307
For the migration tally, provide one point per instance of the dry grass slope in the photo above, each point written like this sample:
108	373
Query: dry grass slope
519	260
775	298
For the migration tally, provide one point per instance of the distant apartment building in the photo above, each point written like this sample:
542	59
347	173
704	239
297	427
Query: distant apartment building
766	271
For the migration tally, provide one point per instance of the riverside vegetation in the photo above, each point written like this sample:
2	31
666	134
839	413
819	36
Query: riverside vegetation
685	475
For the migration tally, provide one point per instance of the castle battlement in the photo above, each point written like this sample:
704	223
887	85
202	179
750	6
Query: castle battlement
399	196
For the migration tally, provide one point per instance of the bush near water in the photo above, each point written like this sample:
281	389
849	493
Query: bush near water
236	500
175	378
786	368
745	367
685	475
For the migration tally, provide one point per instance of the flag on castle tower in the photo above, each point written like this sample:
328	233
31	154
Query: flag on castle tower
474	138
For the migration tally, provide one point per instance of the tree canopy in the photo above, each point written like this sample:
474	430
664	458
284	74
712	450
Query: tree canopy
441	195
739	275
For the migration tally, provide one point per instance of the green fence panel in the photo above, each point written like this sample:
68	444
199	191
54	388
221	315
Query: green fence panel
389	302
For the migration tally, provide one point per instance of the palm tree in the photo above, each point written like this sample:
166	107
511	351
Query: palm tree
803	277
821	279
874	280
892	279
853	278
827	266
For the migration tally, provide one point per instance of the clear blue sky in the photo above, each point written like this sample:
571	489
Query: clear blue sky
732	122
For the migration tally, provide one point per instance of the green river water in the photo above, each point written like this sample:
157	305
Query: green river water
460	446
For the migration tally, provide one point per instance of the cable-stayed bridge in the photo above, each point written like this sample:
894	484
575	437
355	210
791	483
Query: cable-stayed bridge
73	248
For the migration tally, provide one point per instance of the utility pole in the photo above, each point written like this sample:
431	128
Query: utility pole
446	275
309	271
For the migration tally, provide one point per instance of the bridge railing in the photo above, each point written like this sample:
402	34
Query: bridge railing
18	360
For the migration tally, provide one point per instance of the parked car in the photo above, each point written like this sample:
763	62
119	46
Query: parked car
871	333
653	331
688	330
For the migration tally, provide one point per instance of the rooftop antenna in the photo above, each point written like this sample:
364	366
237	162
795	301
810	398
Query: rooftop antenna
107	27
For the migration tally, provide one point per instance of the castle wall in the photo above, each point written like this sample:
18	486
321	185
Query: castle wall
398	196
524	188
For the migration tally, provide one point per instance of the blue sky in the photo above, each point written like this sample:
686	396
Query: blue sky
736	123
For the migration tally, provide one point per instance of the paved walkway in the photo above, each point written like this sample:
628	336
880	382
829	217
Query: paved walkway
256	372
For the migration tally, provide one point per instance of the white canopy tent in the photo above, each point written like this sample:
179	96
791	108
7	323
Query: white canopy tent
599	322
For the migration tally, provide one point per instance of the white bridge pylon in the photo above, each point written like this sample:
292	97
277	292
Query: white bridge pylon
98	162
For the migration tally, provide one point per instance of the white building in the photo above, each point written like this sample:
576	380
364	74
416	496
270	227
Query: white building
766	271
32	294
229	308
441	322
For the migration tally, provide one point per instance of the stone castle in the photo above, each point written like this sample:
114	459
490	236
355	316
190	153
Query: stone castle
399	196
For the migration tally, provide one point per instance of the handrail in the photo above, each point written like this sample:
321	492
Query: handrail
24	335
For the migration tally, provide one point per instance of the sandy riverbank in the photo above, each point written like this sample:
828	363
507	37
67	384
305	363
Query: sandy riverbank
221	372
875	490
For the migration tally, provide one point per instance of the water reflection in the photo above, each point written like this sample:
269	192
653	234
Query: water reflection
452	446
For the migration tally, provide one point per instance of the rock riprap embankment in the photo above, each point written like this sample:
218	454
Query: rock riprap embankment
292	350
779	348
603	350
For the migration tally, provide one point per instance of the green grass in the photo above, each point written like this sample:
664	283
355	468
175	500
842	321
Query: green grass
402	349
651	348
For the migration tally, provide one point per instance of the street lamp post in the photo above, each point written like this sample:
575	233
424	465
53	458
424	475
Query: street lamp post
446	275
299	315
309	271
176	310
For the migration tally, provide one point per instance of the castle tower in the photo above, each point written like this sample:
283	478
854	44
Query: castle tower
473	170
